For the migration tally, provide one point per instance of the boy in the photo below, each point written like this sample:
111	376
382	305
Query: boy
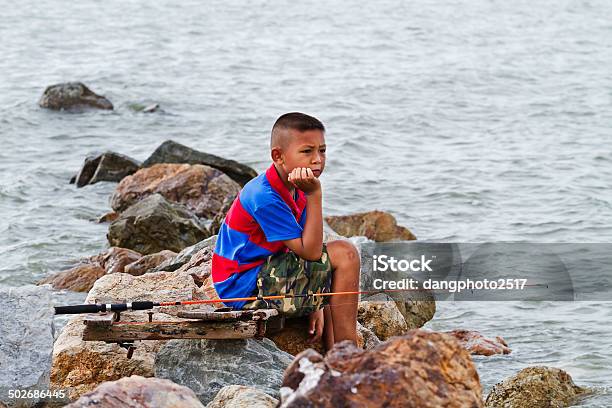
271	242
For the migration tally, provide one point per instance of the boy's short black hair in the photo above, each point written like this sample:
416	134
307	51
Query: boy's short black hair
296	121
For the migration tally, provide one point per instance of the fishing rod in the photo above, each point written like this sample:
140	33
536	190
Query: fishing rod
146	305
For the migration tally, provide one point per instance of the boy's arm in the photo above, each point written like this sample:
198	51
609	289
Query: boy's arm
310	245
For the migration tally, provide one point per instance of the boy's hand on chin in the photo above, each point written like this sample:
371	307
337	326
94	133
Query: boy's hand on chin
304	179
315	326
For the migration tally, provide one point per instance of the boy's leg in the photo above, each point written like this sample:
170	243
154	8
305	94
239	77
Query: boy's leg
328	328
345	264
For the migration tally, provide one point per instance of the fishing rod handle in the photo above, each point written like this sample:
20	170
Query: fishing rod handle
95	308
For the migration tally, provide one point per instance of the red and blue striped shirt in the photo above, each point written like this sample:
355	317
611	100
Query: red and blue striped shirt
262	216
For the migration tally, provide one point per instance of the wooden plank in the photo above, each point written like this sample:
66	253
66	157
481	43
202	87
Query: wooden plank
99	320
189	329
211	315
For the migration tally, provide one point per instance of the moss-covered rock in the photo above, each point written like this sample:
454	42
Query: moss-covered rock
535	387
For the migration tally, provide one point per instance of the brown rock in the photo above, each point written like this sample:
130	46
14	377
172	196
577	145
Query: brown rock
240	396
148	262
536	387
115	259
82	277
417	308
200	188
417	312
378	226
293	338
78	366
150	286
420	370
305	363
208	289
383	318
330	235
476	343
366	339
139	392
108	217
79	278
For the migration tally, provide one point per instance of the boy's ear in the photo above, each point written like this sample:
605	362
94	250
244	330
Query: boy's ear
277	155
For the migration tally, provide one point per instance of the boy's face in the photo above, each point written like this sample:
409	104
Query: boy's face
304	149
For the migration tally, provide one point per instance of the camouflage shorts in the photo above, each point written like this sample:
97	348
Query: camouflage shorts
288	274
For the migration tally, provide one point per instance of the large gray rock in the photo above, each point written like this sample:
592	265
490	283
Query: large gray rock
186	254
26	341
72	96
108	166
138	392
173	152
535	387
155	224
206	366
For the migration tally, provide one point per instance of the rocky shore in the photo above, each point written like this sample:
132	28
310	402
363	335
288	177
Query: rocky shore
161	233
